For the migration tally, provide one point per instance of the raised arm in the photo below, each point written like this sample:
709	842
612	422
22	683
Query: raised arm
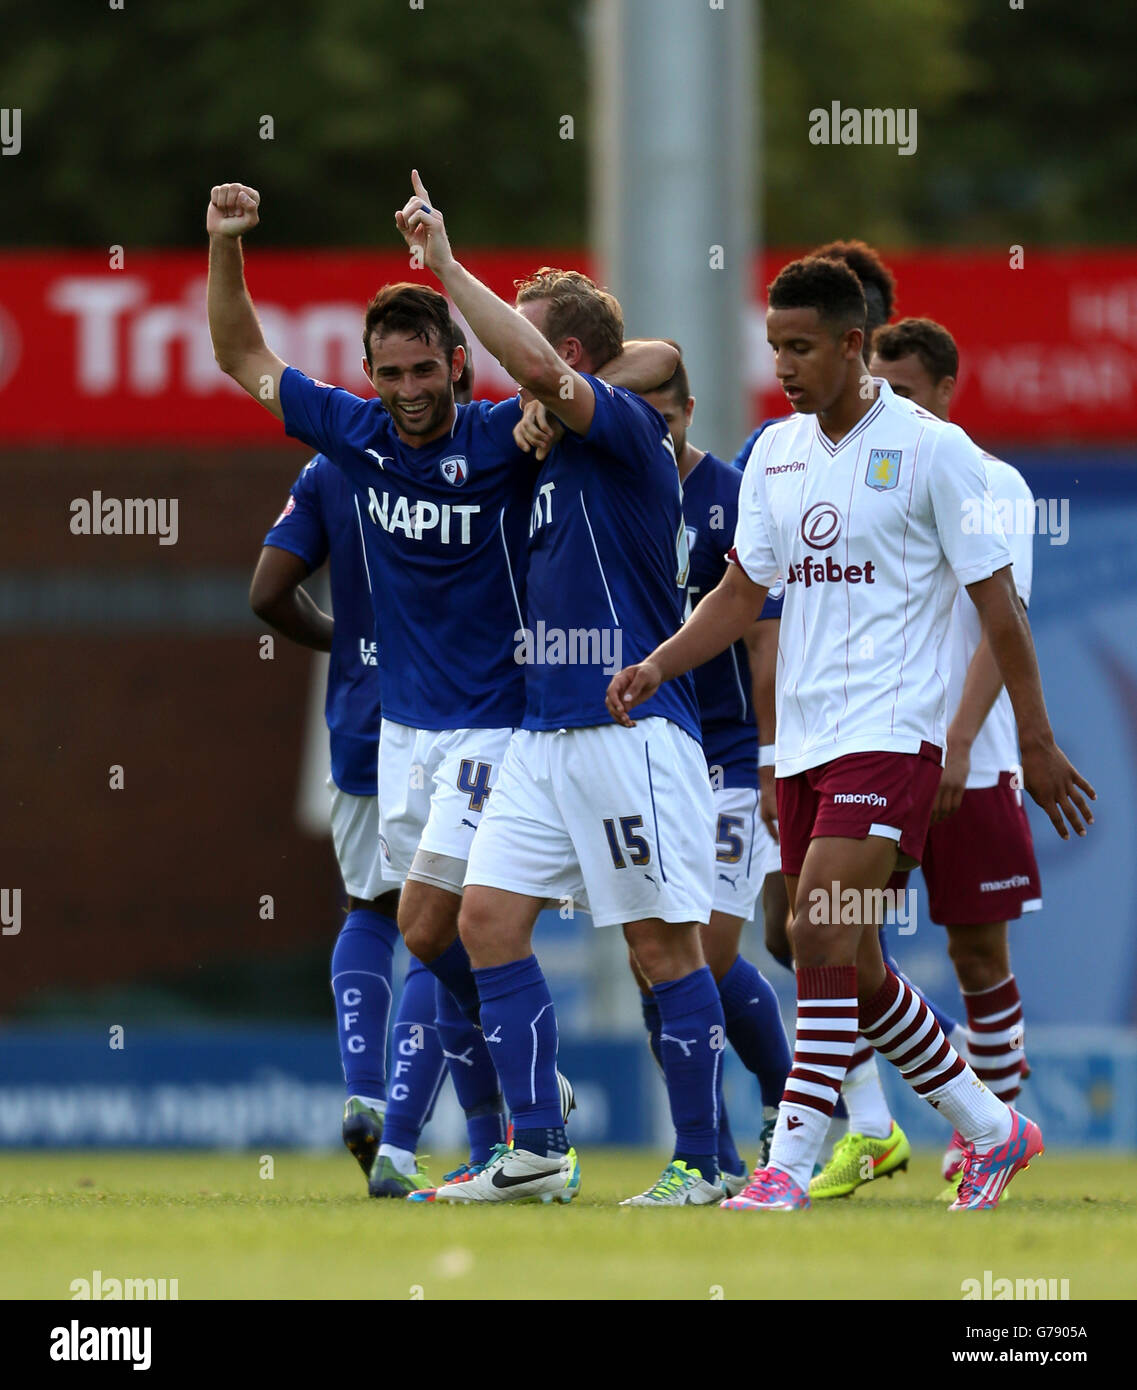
1047	774
238	343
528	357
719	619
643	365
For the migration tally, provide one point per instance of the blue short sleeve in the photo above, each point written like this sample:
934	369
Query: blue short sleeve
623	425
328	418
300	527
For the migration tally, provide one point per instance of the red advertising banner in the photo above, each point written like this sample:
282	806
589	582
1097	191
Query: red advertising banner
91	355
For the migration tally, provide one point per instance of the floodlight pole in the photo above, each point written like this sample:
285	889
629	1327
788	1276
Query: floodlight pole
674	170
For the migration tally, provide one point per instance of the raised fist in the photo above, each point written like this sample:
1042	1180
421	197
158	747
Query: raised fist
233	210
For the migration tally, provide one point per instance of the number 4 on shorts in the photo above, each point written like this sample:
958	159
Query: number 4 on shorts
474	781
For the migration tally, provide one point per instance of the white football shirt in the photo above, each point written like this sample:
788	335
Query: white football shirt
996	746
869	535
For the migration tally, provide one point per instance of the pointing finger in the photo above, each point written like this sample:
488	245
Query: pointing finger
419	187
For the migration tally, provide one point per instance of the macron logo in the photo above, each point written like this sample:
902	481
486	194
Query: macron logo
999	885
859	799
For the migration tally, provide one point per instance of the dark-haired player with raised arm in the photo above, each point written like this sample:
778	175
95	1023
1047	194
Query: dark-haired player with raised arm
444	502
858	501
387	1104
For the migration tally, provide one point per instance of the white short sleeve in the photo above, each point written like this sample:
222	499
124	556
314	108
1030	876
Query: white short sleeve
967	521
753	548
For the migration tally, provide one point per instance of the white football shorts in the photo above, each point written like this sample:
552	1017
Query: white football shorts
355	834
434	786
618	820
745	851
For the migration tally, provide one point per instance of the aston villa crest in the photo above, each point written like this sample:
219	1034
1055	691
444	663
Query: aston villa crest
884	469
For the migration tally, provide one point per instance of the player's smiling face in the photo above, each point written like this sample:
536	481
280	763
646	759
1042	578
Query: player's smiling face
811	364
415	382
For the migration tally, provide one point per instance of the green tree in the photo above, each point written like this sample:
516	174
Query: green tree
130	116
1024	120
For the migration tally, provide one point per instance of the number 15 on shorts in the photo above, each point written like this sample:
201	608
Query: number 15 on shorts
638	849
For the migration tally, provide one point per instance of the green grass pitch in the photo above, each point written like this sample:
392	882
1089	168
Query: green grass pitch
213	1223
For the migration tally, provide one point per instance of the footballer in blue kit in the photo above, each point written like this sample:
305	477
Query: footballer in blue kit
321	521
624	824
443	516
444	500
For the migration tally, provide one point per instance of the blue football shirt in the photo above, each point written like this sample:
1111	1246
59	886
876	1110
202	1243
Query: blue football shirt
321	521
607	566
722	685
445	528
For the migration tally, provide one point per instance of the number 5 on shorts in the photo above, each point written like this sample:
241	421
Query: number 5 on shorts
728	840
638	848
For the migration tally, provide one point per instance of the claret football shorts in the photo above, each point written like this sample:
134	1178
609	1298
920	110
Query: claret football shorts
861	794
979	863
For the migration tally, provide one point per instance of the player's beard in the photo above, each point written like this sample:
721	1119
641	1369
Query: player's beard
428	421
